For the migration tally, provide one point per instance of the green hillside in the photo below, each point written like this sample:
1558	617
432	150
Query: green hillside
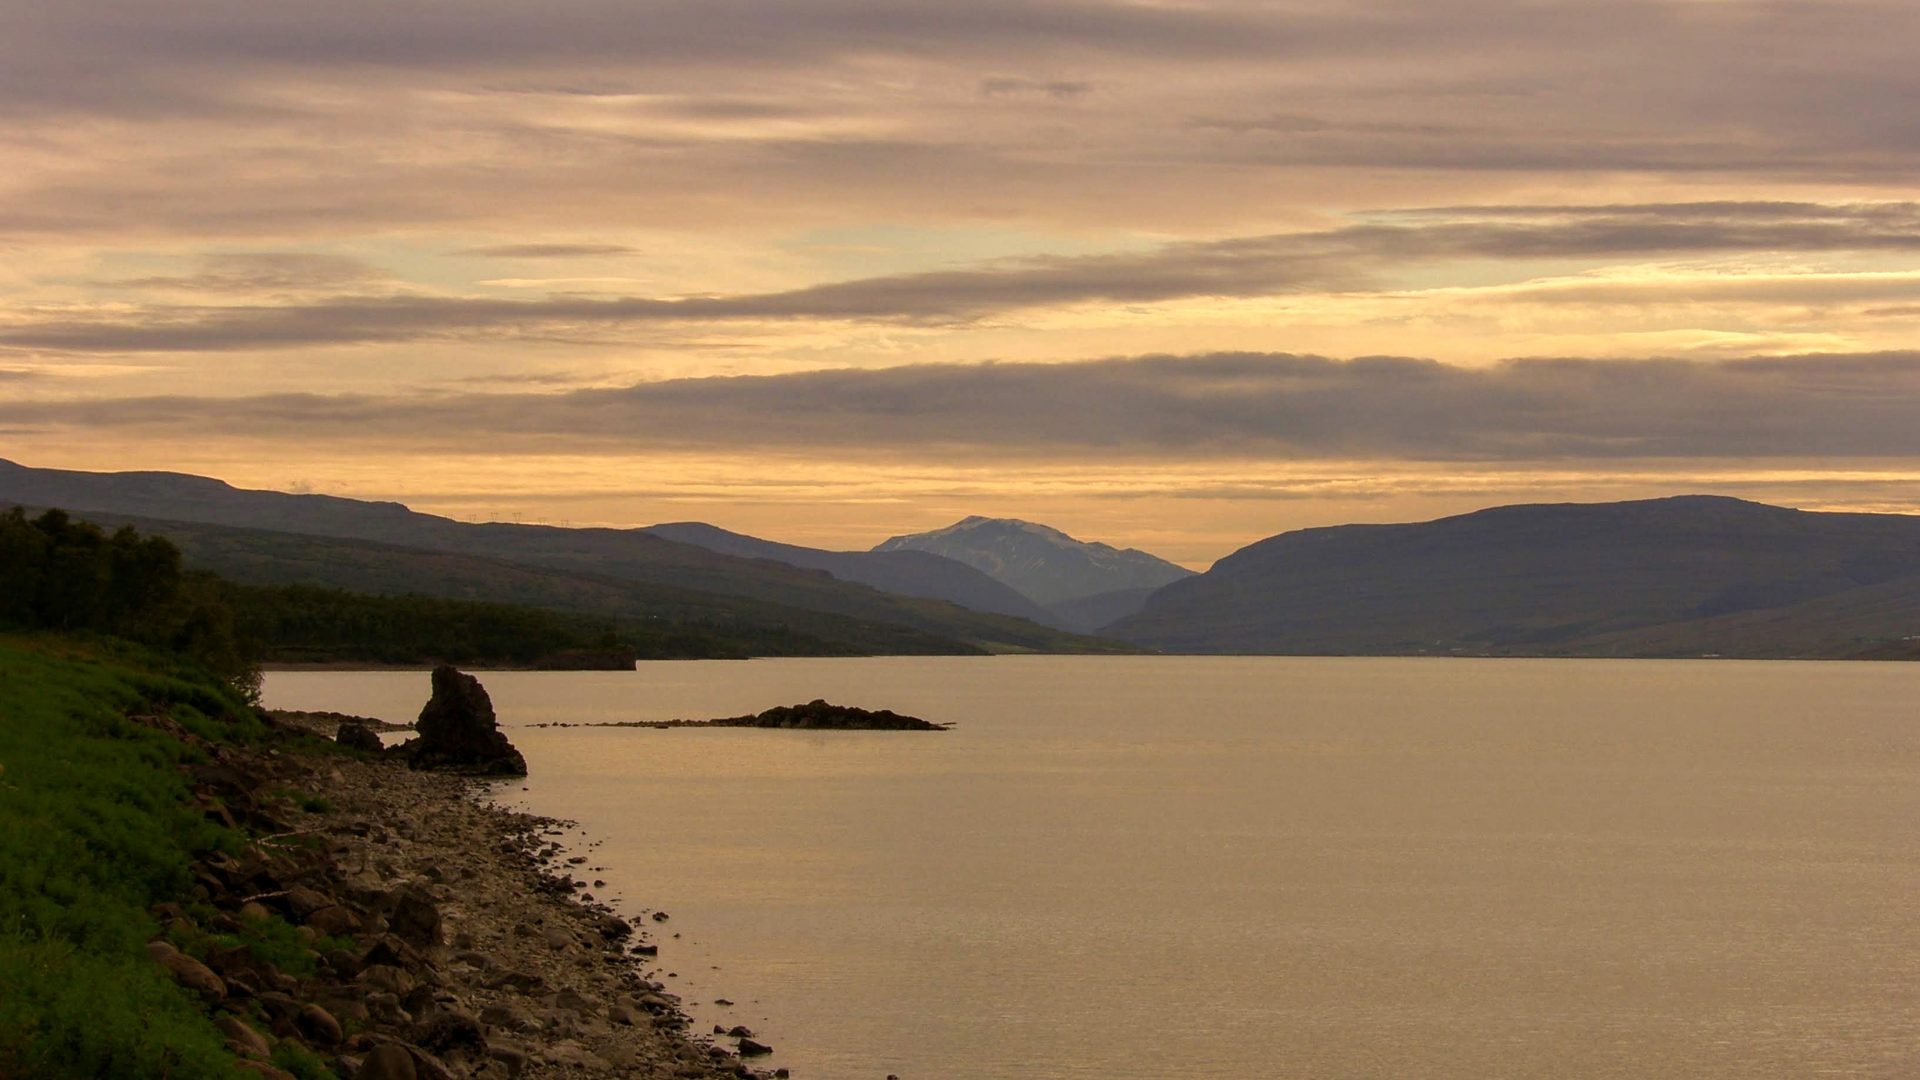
664	576
658	620
1687	576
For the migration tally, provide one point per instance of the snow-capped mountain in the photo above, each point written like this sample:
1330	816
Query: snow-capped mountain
1048	566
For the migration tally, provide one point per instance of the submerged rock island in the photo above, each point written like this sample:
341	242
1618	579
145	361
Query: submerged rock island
815	715
818	715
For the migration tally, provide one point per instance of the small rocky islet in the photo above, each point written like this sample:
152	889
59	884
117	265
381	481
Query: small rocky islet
815	715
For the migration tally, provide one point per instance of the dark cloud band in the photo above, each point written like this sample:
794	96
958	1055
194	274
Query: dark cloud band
1357	257
1268	405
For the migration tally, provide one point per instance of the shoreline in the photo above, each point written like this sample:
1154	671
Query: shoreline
529	977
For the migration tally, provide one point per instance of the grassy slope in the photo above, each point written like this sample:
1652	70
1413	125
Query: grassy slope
1662	577
1878	621
628	555
315	624
94	829
909	626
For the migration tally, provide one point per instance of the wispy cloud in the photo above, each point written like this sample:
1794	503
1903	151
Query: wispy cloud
1227	405
255	272
547	251
1016	86
1357	257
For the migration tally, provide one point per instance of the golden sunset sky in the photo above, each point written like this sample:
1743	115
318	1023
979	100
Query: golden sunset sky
1174	275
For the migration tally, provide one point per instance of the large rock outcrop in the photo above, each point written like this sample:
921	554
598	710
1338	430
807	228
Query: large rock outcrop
457	730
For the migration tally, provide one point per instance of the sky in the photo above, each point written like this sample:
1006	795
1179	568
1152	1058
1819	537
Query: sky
1175	275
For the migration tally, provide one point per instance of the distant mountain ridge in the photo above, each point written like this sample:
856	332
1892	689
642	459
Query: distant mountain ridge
1689	575
627	555
1684	576
906	573
1084	584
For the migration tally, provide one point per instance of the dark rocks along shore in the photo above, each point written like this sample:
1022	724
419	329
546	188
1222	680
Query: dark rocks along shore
436	938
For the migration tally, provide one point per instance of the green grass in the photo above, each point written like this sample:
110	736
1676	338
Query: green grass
95	829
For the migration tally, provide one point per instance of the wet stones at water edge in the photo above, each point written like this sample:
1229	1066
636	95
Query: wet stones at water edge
458	731
358	736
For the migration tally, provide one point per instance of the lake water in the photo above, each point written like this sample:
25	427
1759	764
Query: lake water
1258	867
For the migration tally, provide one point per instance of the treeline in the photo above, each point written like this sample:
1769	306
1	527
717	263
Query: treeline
62	574
296	624
71	576
313	624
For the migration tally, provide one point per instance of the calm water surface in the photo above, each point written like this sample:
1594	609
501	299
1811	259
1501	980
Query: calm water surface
1272	867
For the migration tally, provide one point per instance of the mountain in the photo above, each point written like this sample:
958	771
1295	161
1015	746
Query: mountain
659	619
1049	567
625	555
1663	577
904	573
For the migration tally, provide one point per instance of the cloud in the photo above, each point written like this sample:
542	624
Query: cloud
1233	405
261	271
1011	86
547	251
364	114
1357	257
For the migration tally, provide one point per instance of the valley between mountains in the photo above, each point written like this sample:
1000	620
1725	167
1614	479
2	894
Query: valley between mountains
1685	576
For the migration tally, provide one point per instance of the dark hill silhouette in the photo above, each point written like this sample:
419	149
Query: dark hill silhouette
628	555
904	573
687	621
1680	576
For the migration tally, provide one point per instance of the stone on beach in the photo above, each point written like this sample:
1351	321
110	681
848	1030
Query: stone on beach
457	730
358	736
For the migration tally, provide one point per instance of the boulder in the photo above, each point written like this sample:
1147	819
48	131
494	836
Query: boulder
301	901
358	736
334	921
450	1028
509	1016
457	730
416	917
387	1062
242	1039
511	1055
318	1025
187	971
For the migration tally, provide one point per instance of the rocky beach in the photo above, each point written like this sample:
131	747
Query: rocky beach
436	936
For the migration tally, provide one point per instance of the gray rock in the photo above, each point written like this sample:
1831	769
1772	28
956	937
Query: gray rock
387	978
357	736
512	1055
416	917
334	920
187	971
318	1025
387	1062
458	730
302	901
447	1029
510	1017
242	1039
